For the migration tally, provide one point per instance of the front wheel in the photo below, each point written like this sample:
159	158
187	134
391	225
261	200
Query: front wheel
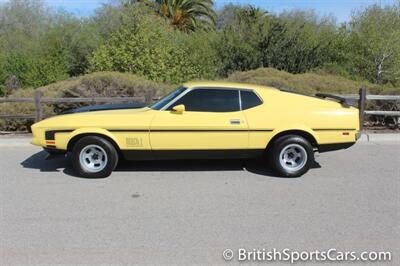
94	157
291	156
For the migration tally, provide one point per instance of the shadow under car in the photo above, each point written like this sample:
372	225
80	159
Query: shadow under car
44	163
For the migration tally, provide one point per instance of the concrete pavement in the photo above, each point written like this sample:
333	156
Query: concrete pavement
188	212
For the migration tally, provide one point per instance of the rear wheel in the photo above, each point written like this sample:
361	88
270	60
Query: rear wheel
94	157
291	156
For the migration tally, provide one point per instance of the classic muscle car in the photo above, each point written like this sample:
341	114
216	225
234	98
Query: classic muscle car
205	120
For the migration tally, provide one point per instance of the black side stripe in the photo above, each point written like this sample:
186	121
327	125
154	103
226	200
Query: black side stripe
50	134
193	130
333	129
127	130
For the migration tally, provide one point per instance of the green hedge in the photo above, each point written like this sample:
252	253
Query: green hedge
115	84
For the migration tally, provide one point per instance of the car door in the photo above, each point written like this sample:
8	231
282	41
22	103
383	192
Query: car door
211	123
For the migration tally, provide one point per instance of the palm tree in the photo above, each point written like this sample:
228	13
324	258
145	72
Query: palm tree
186	15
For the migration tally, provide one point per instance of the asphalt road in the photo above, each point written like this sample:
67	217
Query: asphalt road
189	212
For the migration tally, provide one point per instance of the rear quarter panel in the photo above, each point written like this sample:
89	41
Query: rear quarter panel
325	120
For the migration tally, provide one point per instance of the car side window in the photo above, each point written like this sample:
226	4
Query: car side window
249	99
210	100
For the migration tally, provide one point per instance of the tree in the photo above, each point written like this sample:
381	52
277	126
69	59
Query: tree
240	31
296	41
186	15
25	58
71	41
150	47
374	44
299	41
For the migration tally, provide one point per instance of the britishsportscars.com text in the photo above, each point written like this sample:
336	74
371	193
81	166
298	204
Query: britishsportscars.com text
293	256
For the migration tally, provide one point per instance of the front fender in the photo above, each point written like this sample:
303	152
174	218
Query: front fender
64	140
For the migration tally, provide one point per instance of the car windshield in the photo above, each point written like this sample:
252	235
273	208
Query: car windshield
165	100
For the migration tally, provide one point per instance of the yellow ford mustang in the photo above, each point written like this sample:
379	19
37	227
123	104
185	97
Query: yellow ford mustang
205	120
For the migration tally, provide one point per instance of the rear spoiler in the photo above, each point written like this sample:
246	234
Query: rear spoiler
340	99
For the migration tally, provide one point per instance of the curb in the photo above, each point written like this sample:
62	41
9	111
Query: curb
24	141
371	137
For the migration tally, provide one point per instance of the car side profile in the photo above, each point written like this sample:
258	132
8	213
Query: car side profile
205	120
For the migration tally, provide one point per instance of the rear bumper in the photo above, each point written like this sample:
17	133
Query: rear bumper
334	146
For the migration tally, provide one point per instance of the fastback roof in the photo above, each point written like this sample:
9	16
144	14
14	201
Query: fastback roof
233	85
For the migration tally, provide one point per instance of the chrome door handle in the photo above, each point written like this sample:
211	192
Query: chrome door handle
235	121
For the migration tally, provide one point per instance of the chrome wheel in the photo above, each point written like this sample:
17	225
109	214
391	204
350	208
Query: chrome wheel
93	158
293	157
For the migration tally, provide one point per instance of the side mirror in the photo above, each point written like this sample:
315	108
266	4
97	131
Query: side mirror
178	109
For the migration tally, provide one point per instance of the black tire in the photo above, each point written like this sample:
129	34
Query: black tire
110	157
301	148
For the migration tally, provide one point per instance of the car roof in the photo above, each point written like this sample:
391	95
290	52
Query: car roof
223	84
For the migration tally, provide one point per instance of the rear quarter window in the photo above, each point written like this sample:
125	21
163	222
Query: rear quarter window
249	99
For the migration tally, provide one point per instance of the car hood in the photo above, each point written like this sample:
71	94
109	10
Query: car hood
116	118
105	107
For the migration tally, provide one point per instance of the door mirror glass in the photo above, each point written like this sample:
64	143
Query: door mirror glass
178	109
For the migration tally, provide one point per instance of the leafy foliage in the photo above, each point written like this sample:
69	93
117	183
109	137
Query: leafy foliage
185	15
40	47
151	48
188	15
374	44
177	40
294	42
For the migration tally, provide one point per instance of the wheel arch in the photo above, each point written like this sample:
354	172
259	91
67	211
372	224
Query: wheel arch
303	133
105	135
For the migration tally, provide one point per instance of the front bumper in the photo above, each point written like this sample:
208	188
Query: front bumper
35	142
35	139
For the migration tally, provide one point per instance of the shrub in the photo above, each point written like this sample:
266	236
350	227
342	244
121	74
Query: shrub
308	83
104	84
115	84
101	84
